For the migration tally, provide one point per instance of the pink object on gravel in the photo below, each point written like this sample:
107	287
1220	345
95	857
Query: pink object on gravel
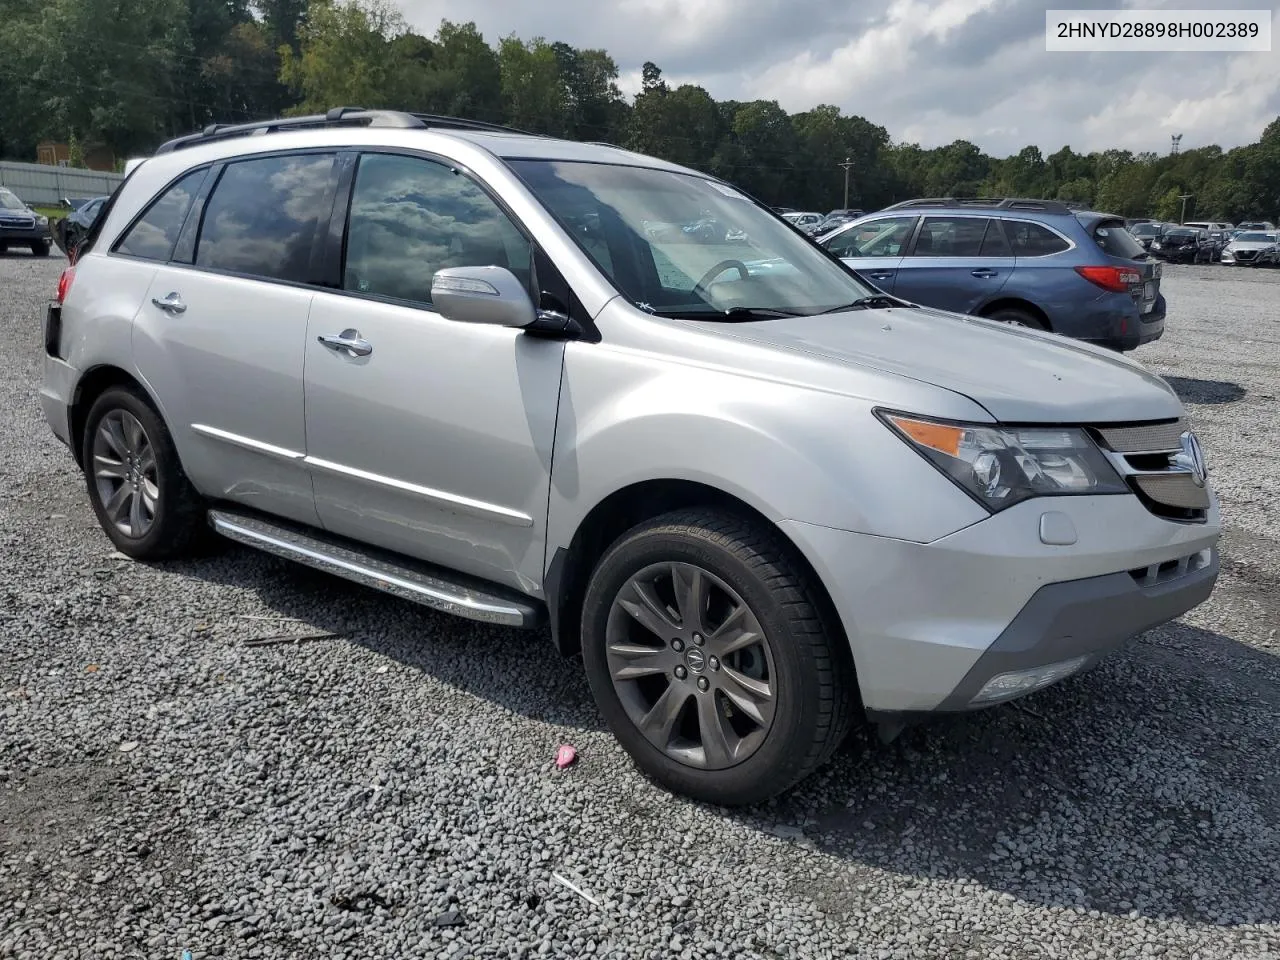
565	756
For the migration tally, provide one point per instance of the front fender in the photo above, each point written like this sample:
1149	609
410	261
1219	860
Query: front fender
788	451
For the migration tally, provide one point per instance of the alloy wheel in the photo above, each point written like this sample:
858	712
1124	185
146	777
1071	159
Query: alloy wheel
125	473
691	665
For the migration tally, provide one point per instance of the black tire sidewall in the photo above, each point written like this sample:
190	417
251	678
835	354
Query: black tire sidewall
797	679
166	531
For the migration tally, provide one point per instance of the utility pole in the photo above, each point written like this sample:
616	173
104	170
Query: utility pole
847	164
1184	197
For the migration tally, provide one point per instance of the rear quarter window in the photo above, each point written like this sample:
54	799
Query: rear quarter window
1115	241
1032	239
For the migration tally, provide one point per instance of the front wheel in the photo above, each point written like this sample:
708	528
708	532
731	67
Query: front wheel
712	658
137	486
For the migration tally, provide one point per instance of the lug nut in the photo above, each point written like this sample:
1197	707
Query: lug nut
681	673
677	644
698	639
702	683
714	663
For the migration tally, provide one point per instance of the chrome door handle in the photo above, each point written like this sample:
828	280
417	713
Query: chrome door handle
170	304
348	340
880	276
984	273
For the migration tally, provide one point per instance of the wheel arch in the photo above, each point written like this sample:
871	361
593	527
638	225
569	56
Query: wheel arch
1016	303
92	384
569	568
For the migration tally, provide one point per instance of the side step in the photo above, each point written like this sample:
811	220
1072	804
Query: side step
432	587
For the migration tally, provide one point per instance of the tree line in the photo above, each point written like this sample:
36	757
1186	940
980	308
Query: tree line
131	73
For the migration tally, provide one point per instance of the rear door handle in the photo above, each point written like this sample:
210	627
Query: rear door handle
984	273
170	304
348	340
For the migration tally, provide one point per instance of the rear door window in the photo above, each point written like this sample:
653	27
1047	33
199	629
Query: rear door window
263	215
1115	241
951	237
153	236
1033	239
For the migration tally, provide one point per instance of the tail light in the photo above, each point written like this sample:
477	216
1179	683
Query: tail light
1115	279
64	283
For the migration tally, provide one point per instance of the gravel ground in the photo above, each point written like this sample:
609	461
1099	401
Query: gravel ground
164	787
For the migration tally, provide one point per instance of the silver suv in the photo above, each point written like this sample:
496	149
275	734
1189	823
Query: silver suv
759	498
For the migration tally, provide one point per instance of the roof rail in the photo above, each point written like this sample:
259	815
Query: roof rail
337	117
990	203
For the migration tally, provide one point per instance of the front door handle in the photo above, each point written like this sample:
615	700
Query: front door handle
170	304
984	273
881	276
349	341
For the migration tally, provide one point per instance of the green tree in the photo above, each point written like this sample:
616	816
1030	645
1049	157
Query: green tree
533	96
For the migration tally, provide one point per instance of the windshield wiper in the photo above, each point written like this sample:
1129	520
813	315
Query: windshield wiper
878	301
732	314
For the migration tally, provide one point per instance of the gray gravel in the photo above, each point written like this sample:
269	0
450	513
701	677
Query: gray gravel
392	793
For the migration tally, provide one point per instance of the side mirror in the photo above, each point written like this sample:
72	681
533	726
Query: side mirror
482	295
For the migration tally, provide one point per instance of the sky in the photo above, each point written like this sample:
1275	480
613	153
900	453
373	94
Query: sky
929	71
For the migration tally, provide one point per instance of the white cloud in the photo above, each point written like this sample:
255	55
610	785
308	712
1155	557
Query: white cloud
929	71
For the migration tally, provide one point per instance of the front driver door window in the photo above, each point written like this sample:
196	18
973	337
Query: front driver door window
875	248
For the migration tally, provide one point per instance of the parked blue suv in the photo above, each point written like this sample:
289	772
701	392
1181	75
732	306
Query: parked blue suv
1032	263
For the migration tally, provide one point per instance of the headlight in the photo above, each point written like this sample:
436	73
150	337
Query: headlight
42	221
1155	244
1000	466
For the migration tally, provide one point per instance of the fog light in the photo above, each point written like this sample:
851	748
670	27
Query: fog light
1006	686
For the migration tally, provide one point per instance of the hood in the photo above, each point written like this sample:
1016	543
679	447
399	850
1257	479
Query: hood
1017	375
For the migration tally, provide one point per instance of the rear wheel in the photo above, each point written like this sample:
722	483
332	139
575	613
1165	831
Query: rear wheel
4	248
711	658
142	497
1016	318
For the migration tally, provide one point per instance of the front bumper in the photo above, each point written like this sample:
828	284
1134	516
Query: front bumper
24	235
930	623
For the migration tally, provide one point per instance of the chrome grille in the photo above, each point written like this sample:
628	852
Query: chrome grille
1150	457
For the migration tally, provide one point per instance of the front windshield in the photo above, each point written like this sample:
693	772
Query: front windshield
681	245
1145	230
10	201
1257	237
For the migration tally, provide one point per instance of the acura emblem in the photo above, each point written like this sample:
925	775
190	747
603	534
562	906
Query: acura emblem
1190	459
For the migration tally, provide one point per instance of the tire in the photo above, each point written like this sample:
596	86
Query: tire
40	249
803	662
176	526
4	248
1016	318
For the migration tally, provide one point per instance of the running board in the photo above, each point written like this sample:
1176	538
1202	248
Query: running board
401	577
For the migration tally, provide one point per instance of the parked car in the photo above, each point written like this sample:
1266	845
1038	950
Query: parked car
806	221
830	222
1252	248
754	509
1218	240
1136	221
851	213
1208	225
22	226
71	230
1264	226
1146	232
1183	245
1031	263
